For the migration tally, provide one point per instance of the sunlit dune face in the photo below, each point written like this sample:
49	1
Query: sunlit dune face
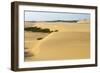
66	41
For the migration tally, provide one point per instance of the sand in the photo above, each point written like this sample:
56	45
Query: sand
63	26
72	41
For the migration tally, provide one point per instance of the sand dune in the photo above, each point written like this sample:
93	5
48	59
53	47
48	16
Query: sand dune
31	42
72	41
28	24
63	45
63	26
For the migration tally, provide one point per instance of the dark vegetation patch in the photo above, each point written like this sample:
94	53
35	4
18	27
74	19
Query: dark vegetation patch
38	29
56	31
39	38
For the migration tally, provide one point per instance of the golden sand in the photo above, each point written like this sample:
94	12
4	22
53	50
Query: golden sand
72	41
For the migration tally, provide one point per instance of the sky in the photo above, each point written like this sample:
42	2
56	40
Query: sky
50	16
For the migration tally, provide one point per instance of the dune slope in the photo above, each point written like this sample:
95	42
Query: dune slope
64	45
72	41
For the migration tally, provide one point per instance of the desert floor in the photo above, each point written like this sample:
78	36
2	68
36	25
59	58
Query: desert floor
72	41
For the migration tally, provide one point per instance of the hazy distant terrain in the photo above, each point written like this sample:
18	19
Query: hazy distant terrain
57	40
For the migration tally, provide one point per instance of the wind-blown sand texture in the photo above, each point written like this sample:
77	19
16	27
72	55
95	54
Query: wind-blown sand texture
71	41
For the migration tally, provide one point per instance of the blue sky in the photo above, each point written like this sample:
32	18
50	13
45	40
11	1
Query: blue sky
49	16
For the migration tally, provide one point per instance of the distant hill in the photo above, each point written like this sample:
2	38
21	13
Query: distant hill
55	21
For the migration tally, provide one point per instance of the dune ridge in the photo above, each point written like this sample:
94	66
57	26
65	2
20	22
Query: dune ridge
72	41
68	27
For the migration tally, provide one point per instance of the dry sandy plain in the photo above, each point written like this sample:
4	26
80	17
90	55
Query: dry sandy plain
72	41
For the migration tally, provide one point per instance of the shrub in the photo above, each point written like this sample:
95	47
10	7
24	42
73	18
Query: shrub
37	29
39	38
56	30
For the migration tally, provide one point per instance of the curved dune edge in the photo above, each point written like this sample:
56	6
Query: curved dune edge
72	41
64	27
55	46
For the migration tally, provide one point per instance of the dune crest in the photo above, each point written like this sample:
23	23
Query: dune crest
63	26
71	41
62	45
